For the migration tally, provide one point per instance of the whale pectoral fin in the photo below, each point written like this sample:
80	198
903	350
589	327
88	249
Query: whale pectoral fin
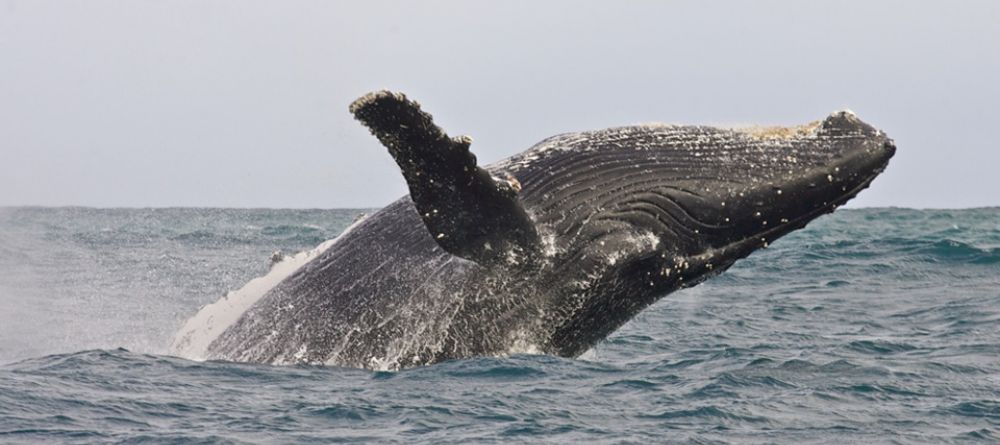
469	212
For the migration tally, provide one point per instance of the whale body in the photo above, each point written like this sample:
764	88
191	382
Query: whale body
547	251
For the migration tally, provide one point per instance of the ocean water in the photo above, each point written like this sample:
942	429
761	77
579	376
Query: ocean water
868	326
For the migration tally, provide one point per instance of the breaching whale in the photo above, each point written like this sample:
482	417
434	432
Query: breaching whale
547	251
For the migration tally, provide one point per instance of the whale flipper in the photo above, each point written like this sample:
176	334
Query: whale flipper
469	212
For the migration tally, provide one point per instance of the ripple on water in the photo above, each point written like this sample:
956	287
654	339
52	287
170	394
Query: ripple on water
987	409
868	326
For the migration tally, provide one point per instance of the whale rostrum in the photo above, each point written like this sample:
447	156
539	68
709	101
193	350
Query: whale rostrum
548	251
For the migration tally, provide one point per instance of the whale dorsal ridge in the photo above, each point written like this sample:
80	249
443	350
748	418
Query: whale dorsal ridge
469	212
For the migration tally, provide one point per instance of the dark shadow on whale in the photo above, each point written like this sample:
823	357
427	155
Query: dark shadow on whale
552	249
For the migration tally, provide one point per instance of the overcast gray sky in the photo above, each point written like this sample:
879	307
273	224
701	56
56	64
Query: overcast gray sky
244	104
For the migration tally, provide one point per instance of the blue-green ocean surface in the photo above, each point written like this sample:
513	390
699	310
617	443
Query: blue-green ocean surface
868	326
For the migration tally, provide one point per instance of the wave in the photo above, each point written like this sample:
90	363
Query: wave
867	326
951	251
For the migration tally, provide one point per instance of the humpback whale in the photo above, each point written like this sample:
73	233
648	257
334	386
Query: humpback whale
548	251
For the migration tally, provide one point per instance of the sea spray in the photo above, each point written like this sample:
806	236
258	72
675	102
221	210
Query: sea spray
193	339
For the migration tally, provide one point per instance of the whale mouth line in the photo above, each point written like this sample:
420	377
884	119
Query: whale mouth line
672	216
746	244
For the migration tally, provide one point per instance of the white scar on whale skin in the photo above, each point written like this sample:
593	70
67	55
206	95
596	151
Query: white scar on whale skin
192	340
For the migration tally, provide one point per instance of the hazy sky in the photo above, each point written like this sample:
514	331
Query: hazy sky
244	104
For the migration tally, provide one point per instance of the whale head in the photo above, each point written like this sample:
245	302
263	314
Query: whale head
743	193
638	212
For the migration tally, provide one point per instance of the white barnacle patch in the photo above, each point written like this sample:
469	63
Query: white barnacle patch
780	133
651	240
513	182
507	180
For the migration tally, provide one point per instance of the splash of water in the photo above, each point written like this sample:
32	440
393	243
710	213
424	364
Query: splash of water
193	339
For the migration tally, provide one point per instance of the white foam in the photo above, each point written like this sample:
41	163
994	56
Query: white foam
192	340
522	346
